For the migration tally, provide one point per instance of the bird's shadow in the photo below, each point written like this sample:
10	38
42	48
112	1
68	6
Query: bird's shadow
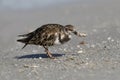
43	55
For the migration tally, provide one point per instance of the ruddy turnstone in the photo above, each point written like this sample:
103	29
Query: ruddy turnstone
49	35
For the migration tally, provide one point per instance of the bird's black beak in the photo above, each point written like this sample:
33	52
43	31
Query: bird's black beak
79	34
75	32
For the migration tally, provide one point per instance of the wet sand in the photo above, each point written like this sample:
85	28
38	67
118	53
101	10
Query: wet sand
97	59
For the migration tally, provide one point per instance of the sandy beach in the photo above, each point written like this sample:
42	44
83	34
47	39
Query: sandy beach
97	59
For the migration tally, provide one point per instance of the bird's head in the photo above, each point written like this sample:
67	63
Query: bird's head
69	28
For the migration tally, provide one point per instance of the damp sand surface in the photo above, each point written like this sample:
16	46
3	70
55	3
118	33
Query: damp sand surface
95	57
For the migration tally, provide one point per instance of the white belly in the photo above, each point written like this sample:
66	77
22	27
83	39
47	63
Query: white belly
57	42
63	39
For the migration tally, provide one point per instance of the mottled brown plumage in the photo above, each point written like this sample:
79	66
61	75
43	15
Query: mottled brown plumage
49	35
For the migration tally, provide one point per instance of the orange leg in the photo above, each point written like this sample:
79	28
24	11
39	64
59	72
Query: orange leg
48	53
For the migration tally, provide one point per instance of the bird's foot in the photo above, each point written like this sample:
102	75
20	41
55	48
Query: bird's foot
50	55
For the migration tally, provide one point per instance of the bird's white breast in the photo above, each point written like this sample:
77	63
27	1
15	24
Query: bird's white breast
57	41
61	39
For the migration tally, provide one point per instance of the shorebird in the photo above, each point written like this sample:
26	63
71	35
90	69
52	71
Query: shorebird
49	35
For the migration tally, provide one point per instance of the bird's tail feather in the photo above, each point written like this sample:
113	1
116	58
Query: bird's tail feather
26	39
26	35
23	40
24	46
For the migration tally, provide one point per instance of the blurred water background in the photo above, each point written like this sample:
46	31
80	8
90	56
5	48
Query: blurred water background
31	4
28	4
22	16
